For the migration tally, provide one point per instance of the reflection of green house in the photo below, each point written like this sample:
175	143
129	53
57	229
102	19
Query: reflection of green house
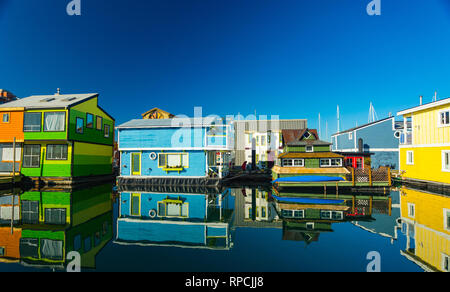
56	223
304	231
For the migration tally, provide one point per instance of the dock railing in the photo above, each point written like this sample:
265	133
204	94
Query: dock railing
369	175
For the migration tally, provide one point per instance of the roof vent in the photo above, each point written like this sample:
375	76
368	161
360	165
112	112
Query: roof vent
48	99
69	99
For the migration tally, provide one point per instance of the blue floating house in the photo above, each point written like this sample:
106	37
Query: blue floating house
182	148
181	219
381	138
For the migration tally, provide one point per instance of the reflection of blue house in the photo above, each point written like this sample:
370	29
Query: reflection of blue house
187	220
380	138
175	148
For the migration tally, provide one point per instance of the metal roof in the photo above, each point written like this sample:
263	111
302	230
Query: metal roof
49	101
176	122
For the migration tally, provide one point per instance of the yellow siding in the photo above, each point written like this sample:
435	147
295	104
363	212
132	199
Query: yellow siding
426	128
427	164
432	239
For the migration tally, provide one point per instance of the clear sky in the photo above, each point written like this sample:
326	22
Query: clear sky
292	58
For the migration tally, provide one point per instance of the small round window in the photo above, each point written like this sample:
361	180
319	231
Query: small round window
397	134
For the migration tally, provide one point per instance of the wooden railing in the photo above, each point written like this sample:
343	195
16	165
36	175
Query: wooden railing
369	175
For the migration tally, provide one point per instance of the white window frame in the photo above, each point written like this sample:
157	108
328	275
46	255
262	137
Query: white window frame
292	162
310	224
309	151
329	164
350	135
446	214
408	162
8	118
443	257
440	124
444	167
409	210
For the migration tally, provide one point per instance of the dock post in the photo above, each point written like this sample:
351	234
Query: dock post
353	204
370	177
325	189
389	176
353	176
370	205
390	206
337	189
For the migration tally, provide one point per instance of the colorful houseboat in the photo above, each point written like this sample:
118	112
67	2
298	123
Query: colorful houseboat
191	150
65	137
425	220
309	159
425	150
11	130
381	138
196	220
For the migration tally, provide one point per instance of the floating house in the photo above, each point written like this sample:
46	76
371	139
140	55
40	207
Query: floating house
64	136
260	141
425	148
425	220
196	220
11	130
305	155
56	222
191	150
382	138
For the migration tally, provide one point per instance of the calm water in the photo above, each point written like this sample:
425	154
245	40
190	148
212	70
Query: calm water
230	230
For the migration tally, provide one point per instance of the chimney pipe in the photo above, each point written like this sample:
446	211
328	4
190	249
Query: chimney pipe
421	100
58	91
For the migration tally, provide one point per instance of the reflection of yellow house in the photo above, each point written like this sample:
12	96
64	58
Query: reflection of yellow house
426	221
425	151
156	114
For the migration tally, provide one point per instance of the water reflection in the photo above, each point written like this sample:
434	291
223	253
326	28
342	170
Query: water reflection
123	231
425	219
183	219
47	224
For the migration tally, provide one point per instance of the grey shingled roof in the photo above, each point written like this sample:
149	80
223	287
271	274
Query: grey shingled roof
49	101
176	122
309	143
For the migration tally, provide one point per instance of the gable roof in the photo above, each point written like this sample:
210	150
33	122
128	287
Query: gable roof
50	101
296	137
160	111
362	126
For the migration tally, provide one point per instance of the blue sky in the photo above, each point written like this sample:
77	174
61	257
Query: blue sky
294	58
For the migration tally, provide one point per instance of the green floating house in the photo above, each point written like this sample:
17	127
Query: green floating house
306	155
65	136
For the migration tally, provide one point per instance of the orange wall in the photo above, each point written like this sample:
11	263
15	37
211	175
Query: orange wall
11	242
12	129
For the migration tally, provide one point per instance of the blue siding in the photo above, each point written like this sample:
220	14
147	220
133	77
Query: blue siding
386	158
149	201
149	167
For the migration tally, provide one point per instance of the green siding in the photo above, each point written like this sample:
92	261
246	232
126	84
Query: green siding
90	134
303	148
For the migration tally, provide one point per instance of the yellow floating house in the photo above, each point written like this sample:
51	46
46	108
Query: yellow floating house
425	149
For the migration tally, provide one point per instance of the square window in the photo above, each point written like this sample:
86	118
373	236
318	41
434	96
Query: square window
32	122
90	121
54	122
444	119
31	156
446	161
350	135
80	126
310	226
57	152
309	148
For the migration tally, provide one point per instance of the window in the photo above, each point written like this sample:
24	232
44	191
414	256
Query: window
173	160
54	122
335	215
310	226
55	216
410	157
446	161
7	153
257	140
309	148
31	156
444	118
307	135
99	124
447	219
263	140
29	248
52	249
250	138
5	118
135	205
57	152
77	242
107	127
32	122
87	244
269	137
298	214
173	208
2	251
263	212
30	212
90	121
445	263
331	162
294	162
411	210
350	135
80	126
